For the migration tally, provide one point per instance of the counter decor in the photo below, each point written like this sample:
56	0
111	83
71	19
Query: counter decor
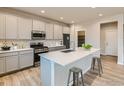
87	46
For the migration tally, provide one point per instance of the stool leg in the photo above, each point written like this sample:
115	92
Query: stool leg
93	65
99	68
77	76
69	78
82	78
74	84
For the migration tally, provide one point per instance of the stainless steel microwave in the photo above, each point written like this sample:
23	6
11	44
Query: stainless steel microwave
38	35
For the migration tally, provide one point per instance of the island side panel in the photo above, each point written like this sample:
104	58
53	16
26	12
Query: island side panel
47	72
61	72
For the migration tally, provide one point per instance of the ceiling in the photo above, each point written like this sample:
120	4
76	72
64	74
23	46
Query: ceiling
76	14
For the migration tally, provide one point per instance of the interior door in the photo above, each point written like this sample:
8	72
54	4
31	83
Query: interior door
111	42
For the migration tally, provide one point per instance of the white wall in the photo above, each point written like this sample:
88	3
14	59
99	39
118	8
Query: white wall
93	33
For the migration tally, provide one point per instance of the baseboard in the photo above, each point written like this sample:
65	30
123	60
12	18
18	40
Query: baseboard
120	63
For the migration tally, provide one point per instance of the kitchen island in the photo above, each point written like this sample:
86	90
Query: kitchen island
55	65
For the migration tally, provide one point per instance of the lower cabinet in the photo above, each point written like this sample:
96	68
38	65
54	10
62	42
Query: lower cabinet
25	59
2	65
15	61
12	63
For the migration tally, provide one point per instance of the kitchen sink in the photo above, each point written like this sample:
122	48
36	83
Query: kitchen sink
67	51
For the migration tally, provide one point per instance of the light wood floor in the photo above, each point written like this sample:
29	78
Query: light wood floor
113	75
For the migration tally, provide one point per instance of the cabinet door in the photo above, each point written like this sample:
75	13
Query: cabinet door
11	27
2	65
38	25
57	31
66	30
24	28
60	32
42	26
26	59
12	63
2	26
49	31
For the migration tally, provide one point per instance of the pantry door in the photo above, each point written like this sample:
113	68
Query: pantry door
111	42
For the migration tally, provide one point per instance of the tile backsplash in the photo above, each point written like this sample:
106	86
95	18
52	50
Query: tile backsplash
19	43
26	43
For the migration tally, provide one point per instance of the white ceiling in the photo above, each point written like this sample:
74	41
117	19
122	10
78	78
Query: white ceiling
77	14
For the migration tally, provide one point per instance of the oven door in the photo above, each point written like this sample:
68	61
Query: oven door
36	57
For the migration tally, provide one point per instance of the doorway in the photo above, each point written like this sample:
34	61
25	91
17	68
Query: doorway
108	39
81	38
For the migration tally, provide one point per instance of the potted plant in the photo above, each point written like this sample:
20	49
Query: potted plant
87	46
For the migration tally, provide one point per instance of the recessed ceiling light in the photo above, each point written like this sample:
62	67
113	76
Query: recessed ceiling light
93	7
61	18
72	21
100	14
42	11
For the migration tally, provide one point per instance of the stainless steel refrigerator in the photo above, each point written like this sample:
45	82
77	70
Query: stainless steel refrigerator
66	40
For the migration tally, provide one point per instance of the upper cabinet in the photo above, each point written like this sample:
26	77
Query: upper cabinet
14	26
11	27
38	25
24	28
49	30
58	31
66	30
2	26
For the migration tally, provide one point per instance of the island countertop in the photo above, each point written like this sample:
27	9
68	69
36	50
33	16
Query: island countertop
64	59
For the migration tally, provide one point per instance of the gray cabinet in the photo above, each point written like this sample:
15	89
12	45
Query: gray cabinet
38	25
11	27
2	65
25	59
2	26
24	28
15	60
49	31
12	62
58	31
66	30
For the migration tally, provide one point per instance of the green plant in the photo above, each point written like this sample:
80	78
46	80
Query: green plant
87	46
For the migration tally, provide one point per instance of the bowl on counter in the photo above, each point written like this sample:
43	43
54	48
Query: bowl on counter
5	48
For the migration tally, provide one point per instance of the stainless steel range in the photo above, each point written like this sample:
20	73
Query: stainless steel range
38	49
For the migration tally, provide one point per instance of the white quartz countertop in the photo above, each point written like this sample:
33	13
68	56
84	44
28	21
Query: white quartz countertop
64	59
15	50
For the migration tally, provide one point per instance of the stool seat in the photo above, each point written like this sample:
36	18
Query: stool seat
97	58
75	70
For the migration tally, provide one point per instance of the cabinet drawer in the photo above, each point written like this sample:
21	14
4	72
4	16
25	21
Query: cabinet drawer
26	52
8	54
